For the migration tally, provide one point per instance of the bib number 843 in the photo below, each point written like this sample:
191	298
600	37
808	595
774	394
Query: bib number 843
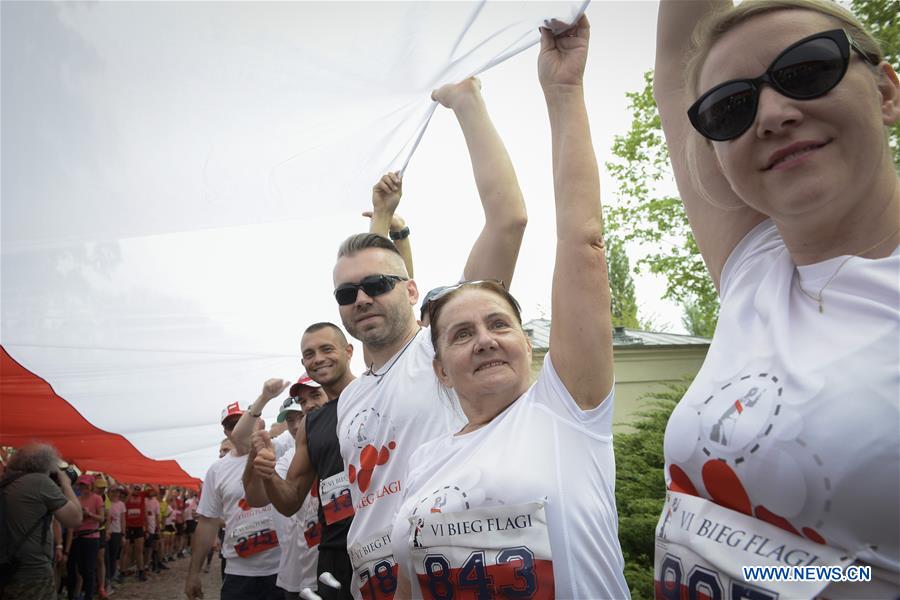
477	580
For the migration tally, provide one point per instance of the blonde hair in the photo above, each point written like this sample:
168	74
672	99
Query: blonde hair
711	29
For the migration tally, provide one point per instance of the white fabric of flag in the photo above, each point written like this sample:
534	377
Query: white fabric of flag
144	144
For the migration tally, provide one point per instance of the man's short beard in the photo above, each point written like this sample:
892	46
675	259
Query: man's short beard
394	329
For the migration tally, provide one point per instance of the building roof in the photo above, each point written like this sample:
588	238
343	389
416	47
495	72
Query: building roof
539	332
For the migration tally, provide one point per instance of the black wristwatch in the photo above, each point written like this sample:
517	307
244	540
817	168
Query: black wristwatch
399	235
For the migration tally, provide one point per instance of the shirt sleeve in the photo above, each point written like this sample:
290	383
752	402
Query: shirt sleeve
283	464
211	498
283	442
759	242
551	391
51	495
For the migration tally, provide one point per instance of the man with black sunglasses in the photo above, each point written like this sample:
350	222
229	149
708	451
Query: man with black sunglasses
396	405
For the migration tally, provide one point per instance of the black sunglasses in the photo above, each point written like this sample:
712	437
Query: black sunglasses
373	285
808	69
290	400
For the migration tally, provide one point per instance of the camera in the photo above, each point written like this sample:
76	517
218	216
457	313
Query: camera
67	470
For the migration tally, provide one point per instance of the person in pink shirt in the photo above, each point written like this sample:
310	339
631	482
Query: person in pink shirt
179	523
86	539
190	521
115	527
152	527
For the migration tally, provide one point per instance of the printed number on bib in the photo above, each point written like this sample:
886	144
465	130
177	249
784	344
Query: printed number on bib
701	547
313	533
374	567
700	582
499	552
255	533
256	542
379	581
334	493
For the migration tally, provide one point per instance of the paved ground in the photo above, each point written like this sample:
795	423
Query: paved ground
169	585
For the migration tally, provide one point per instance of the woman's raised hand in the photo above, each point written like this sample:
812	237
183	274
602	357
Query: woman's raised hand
563	57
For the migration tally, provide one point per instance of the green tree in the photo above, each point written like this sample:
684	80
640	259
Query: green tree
646	211
880	18
621	286
641	486
700	318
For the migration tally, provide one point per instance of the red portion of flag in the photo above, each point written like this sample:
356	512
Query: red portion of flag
30	411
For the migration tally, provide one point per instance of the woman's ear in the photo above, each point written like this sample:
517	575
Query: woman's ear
889	87
441	373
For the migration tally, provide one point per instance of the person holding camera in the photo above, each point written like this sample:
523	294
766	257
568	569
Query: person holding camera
34	491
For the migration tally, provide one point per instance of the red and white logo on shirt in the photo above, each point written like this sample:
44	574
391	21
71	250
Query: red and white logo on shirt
363	429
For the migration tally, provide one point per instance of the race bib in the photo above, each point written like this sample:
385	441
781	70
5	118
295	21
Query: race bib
374	568
313	532
334	494
496	552
701	547
255	533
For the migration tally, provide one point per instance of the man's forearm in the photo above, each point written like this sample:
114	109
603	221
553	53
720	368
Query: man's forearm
203	541
254	491
283	496
381	222
240	437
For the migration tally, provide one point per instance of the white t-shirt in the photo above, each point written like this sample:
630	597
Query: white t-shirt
251	542
382	420
116	512
532	492
189	507
152	508
297	569
283	442
794	418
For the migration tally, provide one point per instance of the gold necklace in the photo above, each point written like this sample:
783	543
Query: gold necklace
818	297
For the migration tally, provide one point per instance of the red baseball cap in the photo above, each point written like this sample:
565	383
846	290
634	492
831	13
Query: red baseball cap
305	380
232	409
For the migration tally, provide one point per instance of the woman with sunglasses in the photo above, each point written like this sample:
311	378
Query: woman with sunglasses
785	450
519	502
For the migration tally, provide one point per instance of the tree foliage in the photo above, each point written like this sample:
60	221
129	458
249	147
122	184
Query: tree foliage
644	211
621	286
641	487
880	18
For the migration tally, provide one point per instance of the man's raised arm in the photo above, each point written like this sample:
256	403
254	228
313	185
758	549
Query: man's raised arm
386	195
262	485
240	437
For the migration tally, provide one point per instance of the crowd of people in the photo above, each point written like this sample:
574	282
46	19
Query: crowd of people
444	471
78	536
